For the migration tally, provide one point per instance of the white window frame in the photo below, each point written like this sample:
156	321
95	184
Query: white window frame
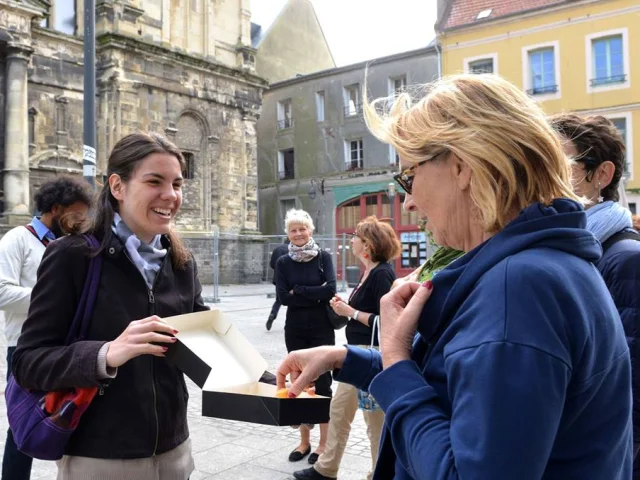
347	153
628	116
347	98
320	104
281	114
487	56
392	86
588	46
281	166
526	69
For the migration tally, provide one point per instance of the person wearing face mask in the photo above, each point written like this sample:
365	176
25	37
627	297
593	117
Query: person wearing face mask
21	251
598	153
137	426
512	362
305	283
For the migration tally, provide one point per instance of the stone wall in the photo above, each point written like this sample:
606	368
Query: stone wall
200	91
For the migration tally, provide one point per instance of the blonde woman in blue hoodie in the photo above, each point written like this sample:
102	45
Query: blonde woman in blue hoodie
512	362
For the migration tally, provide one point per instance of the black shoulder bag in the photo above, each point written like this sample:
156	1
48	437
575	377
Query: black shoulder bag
337	321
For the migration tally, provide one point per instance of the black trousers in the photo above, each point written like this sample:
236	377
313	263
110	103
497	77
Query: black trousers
275	308
15	464
299	339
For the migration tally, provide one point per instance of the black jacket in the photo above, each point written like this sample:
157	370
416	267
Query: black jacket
620	269
143	411
278	252
312	290
366	298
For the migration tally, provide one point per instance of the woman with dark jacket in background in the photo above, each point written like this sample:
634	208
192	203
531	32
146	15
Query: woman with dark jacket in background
305	282
598	150
136	427
374	244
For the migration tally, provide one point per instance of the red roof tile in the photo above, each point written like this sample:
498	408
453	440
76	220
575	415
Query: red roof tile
464	12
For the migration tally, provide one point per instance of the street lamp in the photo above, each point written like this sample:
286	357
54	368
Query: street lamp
391	192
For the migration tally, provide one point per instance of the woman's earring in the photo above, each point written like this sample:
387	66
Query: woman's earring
600	198
365	255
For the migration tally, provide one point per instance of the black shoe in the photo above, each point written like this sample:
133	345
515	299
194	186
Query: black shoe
296	456
313	458
310	474
270	321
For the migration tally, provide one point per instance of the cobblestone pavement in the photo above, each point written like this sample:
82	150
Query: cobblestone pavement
225	449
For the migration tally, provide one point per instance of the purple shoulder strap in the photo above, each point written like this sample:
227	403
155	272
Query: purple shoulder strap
81	320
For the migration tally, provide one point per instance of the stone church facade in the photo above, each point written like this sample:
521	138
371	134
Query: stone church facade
184	68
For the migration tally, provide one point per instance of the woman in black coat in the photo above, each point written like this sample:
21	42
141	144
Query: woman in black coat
305	282
136	427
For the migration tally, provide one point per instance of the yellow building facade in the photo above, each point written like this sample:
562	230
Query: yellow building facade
581	56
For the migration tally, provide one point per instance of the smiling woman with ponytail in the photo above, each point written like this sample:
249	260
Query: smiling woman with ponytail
138	427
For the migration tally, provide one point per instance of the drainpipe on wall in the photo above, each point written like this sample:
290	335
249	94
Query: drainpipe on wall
439	53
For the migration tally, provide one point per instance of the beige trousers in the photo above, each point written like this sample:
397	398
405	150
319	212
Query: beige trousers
344	406
176	464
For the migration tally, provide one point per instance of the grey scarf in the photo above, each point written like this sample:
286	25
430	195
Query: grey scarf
305	253
146	257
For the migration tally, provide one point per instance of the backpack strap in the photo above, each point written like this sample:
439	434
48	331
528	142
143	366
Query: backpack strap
618	237
81	320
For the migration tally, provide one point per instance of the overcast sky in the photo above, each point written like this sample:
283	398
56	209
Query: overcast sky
359	30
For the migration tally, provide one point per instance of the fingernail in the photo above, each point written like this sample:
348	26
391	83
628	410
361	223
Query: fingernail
165	348
292	395
175	331
428	284
174	339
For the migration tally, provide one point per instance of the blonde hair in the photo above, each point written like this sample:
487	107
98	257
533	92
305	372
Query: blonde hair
301	217
502	135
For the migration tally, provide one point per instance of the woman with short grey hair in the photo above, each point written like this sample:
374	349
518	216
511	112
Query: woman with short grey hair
305	282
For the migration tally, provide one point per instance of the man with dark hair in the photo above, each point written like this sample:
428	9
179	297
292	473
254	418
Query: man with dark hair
598	150
21	251
278	252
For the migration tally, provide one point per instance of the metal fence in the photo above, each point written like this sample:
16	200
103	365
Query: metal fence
245	259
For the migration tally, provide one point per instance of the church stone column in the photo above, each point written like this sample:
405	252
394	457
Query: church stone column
16	171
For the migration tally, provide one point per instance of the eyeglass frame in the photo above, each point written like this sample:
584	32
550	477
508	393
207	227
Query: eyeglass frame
406	176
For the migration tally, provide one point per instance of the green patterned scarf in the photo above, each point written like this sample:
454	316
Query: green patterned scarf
440	259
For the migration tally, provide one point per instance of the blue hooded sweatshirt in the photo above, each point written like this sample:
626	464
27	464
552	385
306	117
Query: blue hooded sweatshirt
520	369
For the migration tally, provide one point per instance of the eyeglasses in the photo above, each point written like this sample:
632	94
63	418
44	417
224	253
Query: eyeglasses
406	176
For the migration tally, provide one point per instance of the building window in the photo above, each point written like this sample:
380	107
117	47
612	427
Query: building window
352	105
608	63
320	106
61	117
397	85
286	161
607	60
354	154
285	114
32	125
543	73
481	66
632	207
541	70
64	16
623	124
286	205
190	166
